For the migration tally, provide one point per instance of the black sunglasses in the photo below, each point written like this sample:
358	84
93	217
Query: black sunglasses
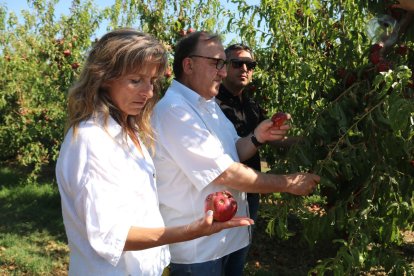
219	62
237	63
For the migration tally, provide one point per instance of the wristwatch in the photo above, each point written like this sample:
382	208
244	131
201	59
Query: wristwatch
255	142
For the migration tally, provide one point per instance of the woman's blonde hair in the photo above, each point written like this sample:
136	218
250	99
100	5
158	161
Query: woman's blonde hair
117	53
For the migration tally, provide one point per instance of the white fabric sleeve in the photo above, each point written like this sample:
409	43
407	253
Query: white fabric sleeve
102	204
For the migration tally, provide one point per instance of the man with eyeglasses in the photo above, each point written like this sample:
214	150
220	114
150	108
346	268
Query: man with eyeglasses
198	152
240	108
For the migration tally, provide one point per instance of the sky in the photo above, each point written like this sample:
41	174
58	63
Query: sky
63	6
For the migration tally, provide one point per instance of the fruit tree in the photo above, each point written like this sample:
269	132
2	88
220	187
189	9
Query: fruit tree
342	68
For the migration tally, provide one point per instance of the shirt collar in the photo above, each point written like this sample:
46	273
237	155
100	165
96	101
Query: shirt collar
193	97
115	131
112	127
224	94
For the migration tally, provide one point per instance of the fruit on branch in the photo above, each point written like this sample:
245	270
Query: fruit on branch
402	50
67	53
384	66
183	32
223	205
376	47
75	65
375	57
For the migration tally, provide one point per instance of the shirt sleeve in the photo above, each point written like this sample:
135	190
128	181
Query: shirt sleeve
198	153
101	202
105	210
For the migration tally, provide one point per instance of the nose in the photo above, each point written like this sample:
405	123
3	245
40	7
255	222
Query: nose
148	90
222	72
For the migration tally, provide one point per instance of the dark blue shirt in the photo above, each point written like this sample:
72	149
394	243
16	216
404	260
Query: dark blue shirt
245	114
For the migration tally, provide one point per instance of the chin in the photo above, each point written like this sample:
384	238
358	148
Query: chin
134	112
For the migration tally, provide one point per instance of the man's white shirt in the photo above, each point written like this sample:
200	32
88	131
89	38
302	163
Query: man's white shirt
195	144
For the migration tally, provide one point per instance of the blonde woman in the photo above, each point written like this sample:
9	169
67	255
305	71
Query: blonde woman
105	174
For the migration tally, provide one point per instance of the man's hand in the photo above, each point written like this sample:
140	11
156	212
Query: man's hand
266	131
302	183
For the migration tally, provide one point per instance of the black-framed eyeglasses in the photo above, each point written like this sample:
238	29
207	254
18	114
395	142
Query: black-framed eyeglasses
237	63
219	62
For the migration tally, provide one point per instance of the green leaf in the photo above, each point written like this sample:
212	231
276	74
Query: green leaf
400	112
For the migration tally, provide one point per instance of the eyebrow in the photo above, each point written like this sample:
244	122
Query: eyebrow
243	59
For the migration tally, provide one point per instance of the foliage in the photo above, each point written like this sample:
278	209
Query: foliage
352	102
40	59
356	115
42	56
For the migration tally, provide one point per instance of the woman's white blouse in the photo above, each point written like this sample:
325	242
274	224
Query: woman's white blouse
106	186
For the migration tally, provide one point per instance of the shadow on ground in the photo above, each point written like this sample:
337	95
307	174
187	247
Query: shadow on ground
29	208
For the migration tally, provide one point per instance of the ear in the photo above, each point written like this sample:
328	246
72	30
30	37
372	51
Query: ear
187	65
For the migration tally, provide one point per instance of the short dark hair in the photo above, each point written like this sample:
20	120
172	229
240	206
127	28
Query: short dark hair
238	47
186	47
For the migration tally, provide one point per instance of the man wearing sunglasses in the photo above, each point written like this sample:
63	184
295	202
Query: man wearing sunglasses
198	152
239	107
243	111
